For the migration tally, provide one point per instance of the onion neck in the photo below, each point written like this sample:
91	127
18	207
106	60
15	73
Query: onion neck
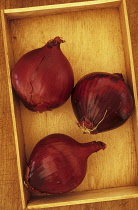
91	147
55	42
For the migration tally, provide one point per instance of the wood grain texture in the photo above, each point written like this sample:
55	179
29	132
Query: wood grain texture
9	185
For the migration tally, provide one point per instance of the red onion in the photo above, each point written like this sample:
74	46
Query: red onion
43	78
101	102
58	163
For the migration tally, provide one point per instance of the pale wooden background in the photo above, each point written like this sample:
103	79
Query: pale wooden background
9	186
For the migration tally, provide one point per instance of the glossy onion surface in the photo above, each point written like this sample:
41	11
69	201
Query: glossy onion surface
101	102
58	163
43	78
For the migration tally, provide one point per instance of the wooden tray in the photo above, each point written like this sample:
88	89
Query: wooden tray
97	39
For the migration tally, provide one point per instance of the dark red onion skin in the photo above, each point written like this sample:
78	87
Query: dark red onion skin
58	164
101	102
43	78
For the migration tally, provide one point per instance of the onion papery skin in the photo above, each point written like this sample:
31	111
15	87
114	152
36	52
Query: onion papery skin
58	163
101	102
43	78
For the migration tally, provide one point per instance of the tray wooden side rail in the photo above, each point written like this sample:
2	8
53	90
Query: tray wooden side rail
60	8
97	35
